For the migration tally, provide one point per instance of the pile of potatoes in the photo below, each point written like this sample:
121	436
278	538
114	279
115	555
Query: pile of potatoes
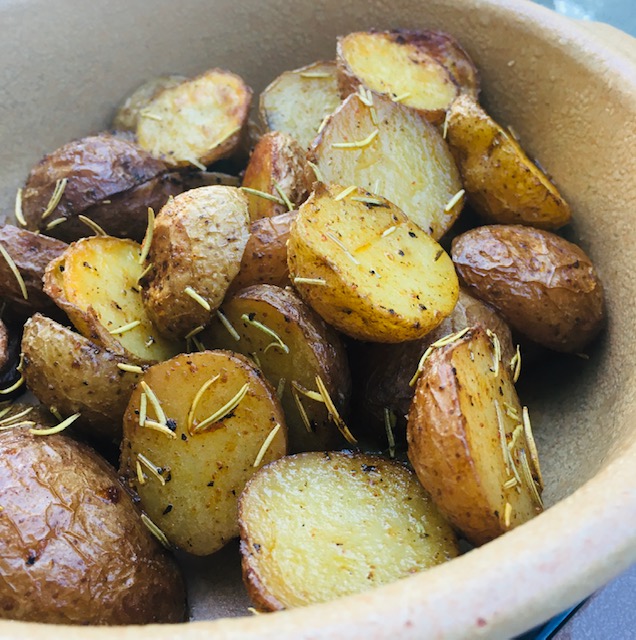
277	331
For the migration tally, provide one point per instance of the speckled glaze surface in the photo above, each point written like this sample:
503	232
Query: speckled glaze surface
569	90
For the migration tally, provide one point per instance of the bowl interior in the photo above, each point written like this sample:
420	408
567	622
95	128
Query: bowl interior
66	65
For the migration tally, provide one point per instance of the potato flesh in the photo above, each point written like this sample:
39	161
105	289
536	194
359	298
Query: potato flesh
319	526
385	280
298	101
314	350
99	277
128	113
503	184
398	69
461	443
407	162
204	472
196	122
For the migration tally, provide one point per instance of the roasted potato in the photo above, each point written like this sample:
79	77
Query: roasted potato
74	548
195	253
298	101
391	367
367	269
30	253
504	186
82	174
469	440
277	176
196	122
96	282
69	372
399	65
318	526
129	112
391	150
544	286
292	346
10	359
265	257
197	427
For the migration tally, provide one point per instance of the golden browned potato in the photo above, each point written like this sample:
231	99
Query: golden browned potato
195	253
298	101
129	112
88	173
318	526
503	184
66	371
29	254
197	122
544	286
196	429
74	548
393	151
391	367
470	440
451	55
265	257
277	176
292	346
399	65
96	282
367	269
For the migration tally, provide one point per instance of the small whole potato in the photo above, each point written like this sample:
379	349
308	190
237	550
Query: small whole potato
74	549
544	286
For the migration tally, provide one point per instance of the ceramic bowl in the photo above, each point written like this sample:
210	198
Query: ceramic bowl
569	91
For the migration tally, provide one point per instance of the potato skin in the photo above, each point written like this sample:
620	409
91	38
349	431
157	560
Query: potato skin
544	286
461	422
504	186
74	549
31	253
96	167
65	370
265	257
277	161
198	242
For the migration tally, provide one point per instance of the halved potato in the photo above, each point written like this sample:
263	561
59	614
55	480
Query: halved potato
470	441
292	345
279	171
195	253
298	101
503	184
367	269
96	282
265	257
197	122
398	65
69	372
393	151
196	429
318	526
129	112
